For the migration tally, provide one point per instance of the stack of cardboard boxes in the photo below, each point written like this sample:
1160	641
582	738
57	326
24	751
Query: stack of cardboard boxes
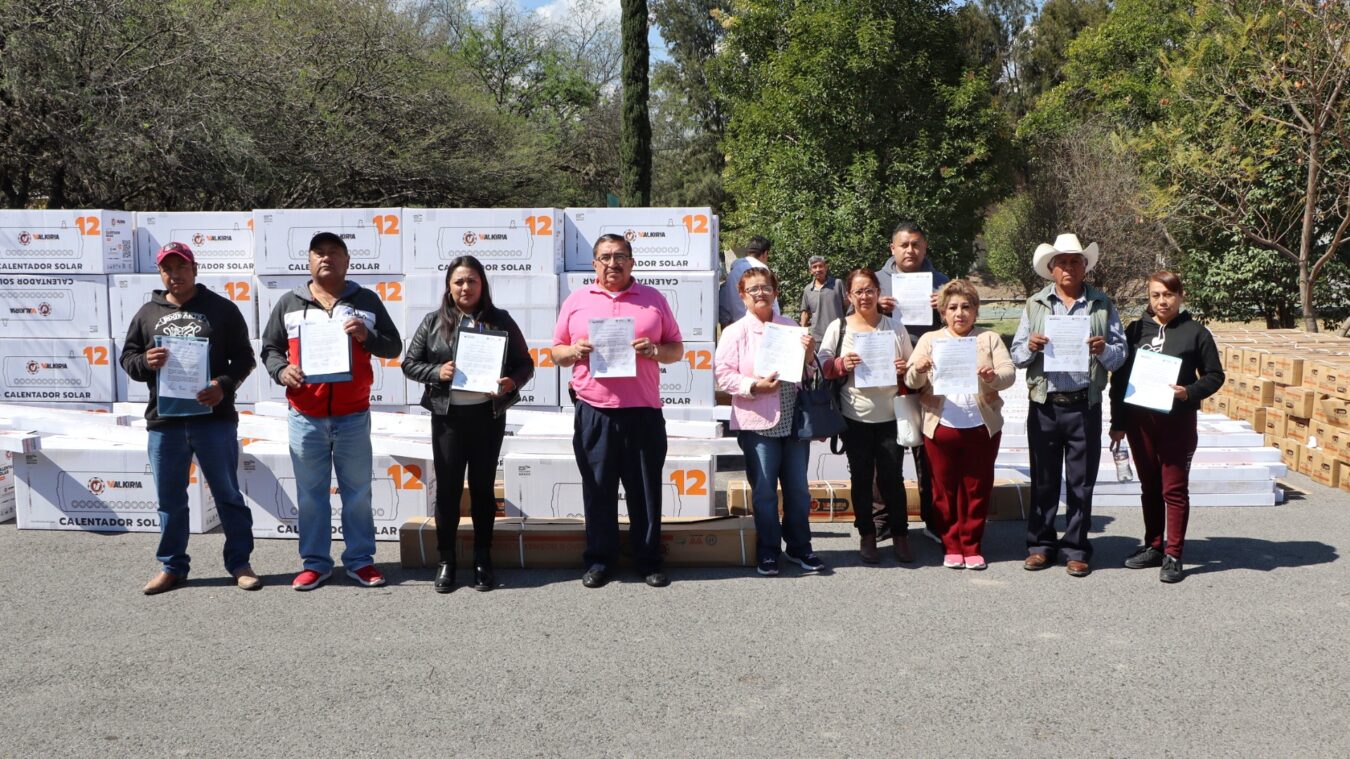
1295	387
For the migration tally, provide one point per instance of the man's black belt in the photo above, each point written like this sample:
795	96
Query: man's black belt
1067	399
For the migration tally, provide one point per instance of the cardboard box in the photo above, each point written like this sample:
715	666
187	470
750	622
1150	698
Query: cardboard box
128	292
465	502
1336	410
1275	422
689	383
692	296
1232	359
693	542
1283	368
832	500
7	497
549	486
65	371
221	241
531	299
1335	379
1299	401
663	239
54	306
515	240
1322	467
1291	453
1257	390
543	387
373	236
81	484
1332	438
1252	360
418	546
1223	404
66	242
1296	429
401	488
390	289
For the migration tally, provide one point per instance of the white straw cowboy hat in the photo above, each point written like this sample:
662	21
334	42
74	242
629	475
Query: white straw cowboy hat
1065	243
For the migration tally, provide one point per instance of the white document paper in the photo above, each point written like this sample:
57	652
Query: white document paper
325	349
1067	350
955	366
781	351
1151	380
478	362
612	353
877	350
188	368
913	295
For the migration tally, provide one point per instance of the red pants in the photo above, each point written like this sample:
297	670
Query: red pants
1162	446
963	476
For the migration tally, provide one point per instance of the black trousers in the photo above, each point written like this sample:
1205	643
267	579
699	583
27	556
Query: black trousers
614	445
1066	446
874	454
466	437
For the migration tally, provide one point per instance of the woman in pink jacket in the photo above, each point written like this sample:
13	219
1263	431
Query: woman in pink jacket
761	413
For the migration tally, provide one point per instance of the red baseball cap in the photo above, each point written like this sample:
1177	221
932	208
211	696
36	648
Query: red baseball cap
175	249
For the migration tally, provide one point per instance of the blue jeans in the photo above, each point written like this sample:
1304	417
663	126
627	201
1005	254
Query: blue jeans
320	446
216	443
770	461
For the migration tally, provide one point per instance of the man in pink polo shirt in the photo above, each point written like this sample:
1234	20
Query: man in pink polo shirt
619	433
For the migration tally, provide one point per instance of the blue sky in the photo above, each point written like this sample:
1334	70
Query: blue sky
558	10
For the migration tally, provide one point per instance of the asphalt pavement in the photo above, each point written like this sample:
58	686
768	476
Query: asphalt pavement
1248	656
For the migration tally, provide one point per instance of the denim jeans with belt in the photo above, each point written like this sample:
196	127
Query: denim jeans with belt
216	443
770	461
320	446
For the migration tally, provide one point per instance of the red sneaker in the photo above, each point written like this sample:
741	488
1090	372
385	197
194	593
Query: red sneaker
309	580
368	576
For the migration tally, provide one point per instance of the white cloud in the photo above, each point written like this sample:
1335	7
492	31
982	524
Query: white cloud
561	11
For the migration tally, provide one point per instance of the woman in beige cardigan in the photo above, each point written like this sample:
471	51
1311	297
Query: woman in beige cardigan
961	432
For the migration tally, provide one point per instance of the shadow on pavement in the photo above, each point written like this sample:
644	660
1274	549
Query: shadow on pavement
1219	554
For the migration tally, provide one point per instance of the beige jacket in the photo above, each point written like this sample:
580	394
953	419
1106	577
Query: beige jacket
990	351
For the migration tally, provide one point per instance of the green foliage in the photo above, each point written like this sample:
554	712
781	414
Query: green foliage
848	117
1011	233
635	143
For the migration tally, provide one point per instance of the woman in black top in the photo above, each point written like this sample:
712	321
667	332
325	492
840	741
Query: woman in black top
466	427
1163	442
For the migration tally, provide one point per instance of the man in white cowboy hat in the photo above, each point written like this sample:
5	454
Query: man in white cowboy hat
1064	422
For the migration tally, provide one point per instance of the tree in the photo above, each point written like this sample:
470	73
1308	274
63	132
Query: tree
1256	143
847	117
688	120
635	143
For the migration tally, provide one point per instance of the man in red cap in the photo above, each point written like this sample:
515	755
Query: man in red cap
179	317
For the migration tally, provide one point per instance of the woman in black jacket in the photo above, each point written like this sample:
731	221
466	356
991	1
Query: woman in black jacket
1163	442
466	427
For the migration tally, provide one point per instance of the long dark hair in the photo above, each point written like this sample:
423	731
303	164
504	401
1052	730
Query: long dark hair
449	311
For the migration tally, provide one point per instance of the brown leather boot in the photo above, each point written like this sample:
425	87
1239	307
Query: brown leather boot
162	582
901	547
867	550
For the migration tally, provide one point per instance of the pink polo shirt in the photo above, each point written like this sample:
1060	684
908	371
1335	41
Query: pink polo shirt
652	319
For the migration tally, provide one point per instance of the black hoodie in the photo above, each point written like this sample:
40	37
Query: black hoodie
1183	337
206	315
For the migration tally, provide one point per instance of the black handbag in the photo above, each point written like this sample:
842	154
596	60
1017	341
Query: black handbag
817	415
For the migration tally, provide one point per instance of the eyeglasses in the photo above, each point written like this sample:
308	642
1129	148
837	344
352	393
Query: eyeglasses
614	258
871	291
759	290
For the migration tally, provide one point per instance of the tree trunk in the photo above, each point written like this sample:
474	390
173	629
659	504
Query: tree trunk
1305	242
1344	331
56	196
635	140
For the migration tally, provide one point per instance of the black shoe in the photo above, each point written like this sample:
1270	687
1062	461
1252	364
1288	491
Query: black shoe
1171	570
657	579
483	578
445	577
810	562
1145	557
596	577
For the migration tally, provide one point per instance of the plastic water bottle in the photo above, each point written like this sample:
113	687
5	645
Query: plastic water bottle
1121	456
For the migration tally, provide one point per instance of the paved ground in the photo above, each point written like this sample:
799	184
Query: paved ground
1250	655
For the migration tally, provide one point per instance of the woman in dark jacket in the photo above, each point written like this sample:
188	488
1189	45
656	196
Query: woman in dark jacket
466	427
1163	442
